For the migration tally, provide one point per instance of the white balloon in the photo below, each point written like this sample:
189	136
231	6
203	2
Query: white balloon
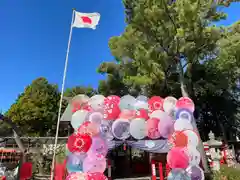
163	116
96	102
96	117
193	138
182	124
78	118
138	128
169	104
194	155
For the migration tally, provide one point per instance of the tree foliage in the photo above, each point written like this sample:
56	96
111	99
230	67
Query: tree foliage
170	46
36	108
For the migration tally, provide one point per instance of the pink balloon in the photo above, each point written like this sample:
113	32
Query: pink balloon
94	164
152	128
96	176
127	114
177	158
98	146
185	103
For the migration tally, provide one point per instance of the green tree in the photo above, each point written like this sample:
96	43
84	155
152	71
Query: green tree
71	92
167	42
35	110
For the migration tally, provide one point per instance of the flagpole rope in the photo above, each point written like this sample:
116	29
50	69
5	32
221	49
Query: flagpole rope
61	98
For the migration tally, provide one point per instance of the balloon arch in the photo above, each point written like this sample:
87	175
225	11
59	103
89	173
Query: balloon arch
152	124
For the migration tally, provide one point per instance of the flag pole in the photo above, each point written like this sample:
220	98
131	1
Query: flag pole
61	98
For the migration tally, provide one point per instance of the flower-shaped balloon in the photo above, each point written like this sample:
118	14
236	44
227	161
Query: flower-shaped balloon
155	103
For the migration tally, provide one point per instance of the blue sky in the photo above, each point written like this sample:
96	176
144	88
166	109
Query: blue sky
33	42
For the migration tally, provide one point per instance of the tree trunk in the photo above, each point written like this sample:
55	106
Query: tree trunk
200	146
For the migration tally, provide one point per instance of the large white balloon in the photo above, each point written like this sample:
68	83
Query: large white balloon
182	124
138	128
96	102
78	118
169	104
193	155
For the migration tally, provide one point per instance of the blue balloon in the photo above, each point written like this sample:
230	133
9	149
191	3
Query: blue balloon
184	114
75	162
178	174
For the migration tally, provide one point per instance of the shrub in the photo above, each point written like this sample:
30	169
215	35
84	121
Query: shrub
227	173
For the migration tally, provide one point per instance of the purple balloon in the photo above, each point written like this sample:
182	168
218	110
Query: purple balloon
120	129
195	172
106	130
165	125
93	164
98	146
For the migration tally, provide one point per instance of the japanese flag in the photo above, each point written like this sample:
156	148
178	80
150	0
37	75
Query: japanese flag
86	20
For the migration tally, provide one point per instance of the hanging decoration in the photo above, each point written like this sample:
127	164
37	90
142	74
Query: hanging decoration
98	120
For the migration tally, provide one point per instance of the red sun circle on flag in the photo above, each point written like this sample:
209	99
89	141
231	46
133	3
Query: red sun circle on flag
86	20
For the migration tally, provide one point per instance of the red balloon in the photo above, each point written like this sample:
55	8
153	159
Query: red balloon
96	176
152	128
142	113
178	139
155	103
177	158
89	128
111	109
79	143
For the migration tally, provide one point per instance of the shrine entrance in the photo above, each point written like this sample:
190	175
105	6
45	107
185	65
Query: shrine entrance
129	163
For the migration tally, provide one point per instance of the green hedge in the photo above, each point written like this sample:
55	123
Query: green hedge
228	173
